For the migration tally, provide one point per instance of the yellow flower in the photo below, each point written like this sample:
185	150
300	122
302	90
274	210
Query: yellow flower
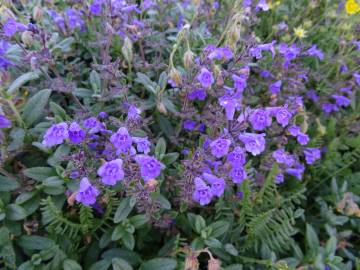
300	32
352	7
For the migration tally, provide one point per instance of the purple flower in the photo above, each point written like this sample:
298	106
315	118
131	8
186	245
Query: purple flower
254	143
4	122
133	113
205	78
74	19
121	140
58	19
198	94
111	172
294	130
189	125
11	27
230	104
56	134
357	78
103	115
265	74
76	133
279	178
146	4
221	54
150	167
238	174
247	3
297	171
217	184
257	51
260	119
239	82
314	51
311	155
87	193
312	95
280	156
303	138
237	157
275	87
202	193
262	5
93	125
96	7
220	147
329	107
341	100
282	115
142	144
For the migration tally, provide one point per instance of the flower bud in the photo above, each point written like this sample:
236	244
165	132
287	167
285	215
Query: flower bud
161	108
175	76
188	59
214	264
37	13
34	63
6	14
27	38
127	50
151	185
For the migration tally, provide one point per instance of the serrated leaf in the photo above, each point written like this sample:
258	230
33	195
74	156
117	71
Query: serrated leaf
34	107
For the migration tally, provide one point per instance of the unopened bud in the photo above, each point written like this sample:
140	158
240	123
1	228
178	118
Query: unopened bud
188	59
27	38
4	77
161	108
37	13
214	264
127	50
6	14
175	76
34	63
151	185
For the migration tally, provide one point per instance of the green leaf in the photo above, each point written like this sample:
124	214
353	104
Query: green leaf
118	233
71	265
197	222
123	210
34	107
95	82
159	264
170	158
219	228
64	45
58	111
15	212
20	81
39	173
17	135
128	240
164	203
312	239
120	264
139	220
160	148
231	249
35	242
146	82
100	265
8	184
330	247
234	267
62	151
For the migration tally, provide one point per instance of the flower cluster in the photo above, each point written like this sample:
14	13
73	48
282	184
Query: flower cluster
114	151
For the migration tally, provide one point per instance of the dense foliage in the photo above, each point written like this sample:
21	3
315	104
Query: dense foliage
193	134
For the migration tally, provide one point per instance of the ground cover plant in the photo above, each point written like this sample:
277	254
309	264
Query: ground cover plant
179	134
